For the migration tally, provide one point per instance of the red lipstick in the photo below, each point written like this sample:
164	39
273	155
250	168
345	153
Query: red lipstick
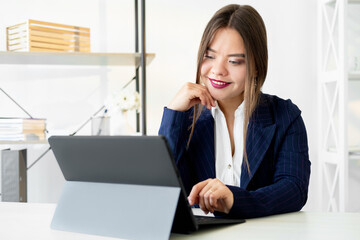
218	84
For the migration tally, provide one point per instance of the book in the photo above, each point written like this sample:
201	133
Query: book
22	129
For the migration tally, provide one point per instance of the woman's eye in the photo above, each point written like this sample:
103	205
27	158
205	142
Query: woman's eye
208	56
236	62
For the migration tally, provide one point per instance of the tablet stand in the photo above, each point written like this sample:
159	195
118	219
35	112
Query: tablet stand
116	210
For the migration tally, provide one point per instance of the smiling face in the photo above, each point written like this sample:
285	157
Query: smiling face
223	70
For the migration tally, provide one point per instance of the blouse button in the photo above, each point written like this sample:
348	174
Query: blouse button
229	166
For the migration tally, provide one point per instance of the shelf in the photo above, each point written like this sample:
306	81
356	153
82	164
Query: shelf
354	149
355	153
23	142
354	159
349	1
354	75
57	58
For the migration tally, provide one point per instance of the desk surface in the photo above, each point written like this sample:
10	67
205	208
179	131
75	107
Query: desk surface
32	221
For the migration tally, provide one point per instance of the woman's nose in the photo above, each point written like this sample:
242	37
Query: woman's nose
219	68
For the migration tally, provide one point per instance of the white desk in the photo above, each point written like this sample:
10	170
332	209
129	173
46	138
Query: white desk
32	221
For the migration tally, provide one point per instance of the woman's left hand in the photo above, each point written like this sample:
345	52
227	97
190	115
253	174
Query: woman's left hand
212	195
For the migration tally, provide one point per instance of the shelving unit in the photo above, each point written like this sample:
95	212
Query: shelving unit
77	58
138	59
354	75
333	76
23	142
135	63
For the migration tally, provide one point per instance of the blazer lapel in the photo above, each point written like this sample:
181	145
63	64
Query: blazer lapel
210	158
261	131
258	141
205	127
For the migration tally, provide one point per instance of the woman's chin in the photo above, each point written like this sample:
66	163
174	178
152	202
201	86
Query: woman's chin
216	96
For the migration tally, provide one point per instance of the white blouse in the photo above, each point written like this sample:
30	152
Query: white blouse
228	167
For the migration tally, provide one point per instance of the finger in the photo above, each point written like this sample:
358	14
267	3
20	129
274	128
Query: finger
196	189
204	198
208	98
203	201
212	194
192	202
211	100
207	203
223	206
199	92
222	198
213	199
202	204
195	101
192	91
209	195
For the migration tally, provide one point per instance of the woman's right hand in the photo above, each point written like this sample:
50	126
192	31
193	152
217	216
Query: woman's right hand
189	95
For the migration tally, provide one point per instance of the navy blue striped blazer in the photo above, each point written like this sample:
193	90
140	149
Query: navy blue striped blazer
277	151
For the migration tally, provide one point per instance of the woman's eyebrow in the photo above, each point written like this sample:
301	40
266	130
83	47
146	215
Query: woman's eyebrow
230	55
237	55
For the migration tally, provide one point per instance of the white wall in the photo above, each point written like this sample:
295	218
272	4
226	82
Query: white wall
67	96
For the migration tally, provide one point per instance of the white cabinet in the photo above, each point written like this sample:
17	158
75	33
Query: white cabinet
339	104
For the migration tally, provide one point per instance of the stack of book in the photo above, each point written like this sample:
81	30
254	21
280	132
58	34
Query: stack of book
22	129
35	36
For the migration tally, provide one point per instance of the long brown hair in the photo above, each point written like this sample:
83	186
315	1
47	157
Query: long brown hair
249	24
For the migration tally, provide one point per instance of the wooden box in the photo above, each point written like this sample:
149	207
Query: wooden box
45	36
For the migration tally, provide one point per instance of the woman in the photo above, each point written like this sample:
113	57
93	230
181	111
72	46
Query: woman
239	152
